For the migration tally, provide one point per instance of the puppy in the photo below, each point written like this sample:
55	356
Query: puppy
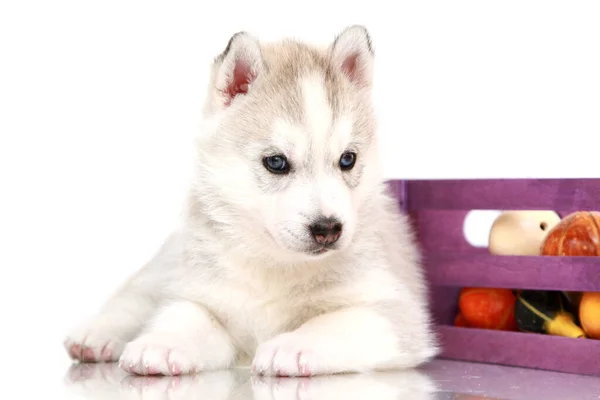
293	257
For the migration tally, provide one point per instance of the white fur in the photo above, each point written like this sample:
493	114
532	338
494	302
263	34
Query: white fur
318	111
237	285
321	345
183	337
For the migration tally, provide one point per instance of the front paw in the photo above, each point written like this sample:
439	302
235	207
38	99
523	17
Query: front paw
289	354
94	342
160	354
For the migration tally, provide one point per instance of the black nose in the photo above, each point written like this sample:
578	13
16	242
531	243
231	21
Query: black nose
326	230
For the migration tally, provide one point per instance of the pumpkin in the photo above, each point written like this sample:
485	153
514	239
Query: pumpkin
578	234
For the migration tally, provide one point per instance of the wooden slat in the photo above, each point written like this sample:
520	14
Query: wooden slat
442	231
516	272
529	350
501	194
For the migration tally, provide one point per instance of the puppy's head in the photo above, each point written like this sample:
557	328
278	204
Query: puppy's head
288	156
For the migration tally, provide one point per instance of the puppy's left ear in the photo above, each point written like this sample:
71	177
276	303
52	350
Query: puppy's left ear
352	52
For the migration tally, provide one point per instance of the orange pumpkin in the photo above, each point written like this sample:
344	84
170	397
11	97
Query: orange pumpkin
578	234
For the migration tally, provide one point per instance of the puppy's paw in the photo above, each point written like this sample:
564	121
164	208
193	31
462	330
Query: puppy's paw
95	342
289	354
161	354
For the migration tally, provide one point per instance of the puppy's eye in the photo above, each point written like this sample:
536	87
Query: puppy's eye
277	164
347	161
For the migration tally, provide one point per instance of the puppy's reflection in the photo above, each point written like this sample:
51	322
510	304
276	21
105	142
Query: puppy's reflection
405	385
107	381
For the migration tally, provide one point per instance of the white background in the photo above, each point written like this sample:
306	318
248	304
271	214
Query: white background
99	102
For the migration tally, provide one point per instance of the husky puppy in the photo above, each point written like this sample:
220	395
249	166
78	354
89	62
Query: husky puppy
292	257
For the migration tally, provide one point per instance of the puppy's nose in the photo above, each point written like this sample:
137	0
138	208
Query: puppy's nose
326	230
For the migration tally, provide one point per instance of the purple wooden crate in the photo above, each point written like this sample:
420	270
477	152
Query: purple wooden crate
438	209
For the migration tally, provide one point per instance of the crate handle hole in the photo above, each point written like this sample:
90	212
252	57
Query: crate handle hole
477	225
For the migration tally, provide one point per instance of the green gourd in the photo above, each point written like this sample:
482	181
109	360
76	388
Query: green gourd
545	311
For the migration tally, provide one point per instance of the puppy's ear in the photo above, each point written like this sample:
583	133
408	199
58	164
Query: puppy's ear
236	69
352	52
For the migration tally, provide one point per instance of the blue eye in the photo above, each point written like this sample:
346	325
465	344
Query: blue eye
347	161
277	164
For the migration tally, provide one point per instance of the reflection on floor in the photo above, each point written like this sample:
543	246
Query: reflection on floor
441	379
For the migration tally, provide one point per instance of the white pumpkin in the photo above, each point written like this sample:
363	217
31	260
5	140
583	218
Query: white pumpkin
521	232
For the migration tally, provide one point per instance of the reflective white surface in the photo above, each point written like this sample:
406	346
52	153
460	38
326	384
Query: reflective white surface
104	382
440	380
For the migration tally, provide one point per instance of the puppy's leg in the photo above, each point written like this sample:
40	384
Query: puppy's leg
349	340
183	338
103	337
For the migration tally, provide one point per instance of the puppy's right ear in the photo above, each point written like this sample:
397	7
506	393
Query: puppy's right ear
236	69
